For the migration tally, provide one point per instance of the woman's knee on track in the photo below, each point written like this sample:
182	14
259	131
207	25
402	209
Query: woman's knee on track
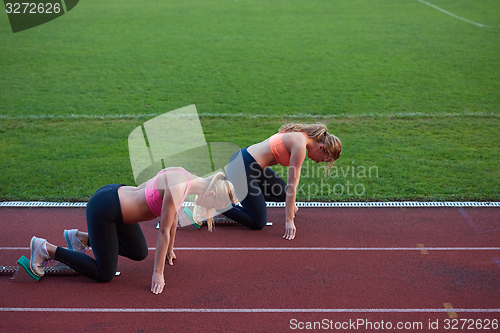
106	276
138	254
258	225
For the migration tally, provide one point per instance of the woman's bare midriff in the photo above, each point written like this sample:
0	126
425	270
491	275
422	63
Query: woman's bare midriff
133	204
262	153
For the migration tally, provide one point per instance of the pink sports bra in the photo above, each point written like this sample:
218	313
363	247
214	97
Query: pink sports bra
278	148
152	194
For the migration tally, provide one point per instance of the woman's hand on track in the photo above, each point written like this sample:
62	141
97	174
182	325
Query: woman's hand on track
158	283
289	231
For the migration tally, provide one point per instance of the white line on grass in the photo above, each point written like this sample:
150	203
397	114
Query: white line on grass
251	115
451	14
13	248
187	310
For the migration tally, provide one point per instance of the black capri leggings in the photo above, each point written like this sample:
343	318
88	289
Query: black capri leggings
108	236
253	187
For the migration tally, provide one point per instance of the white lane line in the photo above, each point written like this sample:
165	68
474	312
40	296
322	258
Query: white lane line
7	248
13	248
187	310
451	14
335	248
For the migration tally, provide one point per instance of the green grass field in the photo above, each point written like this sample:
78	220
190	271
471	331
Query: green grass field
412	92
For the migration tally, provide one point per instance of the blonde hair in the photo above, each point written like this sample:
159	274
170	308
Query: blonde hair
318	132
224	194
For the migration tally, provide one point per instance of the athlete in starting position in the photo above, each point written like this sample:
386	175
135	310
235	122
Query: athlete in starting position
113	214
255	183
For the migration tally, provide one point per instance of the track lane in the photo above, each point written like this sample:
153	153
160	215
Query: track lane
341	280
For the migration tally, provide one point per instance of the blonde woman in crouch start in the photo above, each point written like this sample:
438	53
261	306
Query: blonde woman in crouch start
256	183
113	213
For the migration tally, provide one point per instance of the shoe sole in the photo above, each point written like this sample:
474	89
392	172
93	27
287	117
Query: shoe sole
66	238
31	257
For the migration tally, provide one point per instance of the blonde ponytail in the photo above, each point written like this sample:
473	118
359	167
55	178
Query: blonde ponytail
224	194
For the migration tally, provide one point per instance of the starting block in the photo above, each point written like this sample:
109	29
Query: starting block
187	220
22	273
217	222
226	221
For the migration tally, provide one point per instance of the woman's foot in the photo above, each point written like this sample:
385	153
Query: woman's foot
39	255
73	243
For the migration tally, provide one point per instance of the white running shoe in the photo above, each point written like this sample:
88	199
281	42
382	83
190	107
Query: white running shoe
39	256
72	242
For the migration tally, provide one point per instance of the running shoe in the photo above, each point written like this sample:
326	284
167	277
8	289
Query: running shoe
199	215
190	215
72	242
39	256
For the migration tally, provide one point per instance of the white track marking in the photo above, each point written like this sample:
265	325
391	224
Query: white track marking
13	248
394	204
335	248
6	248
251	115
187	310
451	14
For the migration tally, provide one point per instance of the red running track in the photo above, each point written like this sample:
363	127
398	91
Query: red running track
348	270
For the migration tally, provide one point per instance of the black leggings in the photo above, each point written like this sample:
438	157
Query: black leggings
108	236
253	187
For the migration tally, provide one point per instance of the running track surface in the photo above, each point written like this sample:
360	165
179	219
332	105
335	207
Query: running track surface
347	265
